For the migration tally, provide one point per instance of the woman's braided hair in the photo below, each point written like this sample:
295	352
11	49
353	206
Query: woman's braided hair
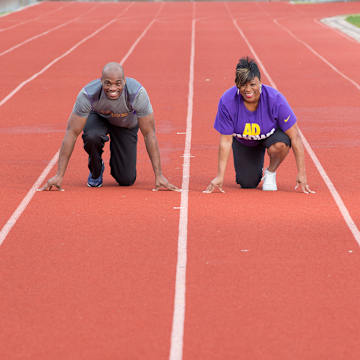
246	70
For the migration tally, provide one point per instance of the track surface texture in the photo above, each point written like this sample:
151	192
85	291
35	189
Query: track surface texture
127	273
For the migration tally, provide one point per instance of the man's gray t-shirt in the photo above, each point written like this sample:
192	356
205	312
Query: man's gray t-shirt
133	103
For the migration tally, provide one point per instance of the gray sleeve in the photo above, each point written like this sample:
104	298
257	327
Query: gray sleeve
142	104
82	106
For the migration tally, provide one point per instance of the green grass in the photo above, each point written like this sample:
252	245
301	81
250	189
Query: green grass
354	19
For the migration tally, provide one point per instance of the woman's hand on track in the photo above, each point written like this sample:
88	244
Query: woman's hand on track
53	183
215	183
302	183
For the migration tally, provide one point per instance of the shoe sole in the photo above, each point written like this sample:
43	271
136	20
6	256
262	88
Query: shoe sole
264	189
91	186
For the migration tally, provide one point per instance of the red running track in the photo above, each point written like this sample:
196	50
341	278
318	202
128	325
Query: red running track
91	273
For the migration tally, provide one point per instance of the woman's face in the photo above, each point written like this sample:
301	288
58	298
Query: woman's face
251	90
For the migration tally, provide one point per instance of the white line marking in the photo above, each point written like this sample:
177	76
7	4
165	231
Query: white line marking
30	20
318	55
343	210
20	209
20	86
177	333
45	33
142	35
24	203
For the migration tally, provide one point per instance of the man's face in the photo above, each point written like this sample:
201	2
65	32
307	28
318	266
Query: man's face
251	90
113	83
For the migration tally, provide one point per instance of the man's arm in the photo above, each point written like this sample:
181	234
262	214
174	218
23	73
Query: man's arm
74	128
147	128
298	149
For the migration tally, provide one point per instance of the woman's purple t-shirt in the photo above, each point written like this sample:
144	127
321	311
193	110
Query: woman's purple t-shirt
248	127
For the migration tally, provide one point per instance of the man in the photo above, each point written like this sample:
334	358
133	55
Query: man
115	106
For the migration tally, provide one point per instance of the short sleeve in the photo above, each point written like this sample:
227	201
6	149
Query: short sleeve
141	104
223	122
82	106
285	116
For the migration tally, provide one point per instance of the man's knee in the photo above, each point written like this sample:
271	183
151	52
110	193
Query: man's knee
92	137
124	180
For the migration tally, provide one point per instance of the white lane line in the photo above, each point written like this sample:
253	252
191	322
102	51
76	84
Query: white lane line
30	20
177	333
339	202
45	32
20	86
318	55
142	35
25	202
20	209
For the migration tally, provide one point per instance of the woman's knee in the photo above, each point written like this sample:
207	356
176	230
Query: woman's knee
248	183
278	148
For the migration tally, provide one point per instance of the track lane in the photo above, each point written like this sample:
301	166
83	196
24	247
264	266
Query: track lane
23	123
99	287
41	28
64	39
331	144
28	15
276	275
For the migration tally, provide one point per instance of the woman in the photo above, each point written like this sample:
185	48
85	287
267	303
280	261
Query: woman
257	116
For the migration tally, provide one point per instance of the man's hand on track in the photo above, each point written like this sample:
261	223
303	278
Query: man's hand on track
162	183
53	183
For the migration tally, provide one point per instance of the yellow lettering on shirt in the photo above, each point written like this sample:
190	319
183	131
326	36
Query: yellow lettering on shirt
247	129
287	119
115	115
251	129
255	128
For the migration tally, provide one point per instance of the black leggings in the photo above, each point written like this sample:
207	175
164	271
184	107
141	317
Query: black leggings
123	148
249	160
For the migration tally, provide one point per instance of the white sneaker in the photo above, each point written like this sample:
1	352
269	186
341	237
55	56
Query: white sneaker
269	183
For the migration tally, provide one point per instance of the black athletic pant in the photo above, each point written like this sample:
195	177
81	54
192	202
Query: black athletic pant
123	148
249	160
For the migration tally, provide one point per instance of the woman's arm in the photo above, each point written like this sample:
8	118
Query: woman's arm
298	149
223	156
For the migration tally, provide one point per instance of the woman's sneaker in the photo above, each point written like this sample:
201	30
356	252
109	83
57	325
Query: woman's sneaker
269	183
98	181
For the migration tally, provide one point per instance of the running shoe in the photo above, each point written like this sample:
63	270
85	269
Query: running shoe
269	183
98	181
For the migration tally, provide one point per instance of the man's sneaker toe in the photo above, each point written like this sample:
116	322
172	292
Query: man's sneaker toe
91	182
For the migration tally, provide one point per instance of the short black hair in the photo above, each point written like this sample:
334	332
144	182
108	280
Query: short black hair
246	70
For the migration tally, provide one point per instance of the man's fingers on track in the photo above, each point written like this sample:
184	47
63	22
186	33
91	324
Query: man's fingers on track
50	187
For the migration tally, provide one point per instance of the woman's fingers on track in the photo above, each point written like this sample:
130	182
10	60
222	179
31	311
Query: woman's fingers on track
305	188
212	187
169	186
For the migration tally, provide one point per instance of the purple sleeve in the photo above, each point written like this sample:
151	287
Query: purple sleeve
223	122
285	116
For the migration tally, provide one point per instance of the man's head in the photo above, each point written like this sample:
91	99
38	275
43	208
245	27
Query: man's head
113	80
